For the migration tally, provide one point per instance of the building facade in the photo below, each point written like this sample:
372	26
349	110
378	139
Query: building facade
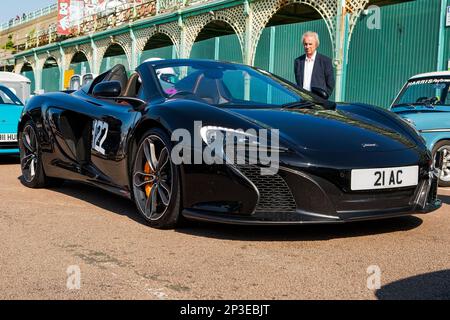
375	45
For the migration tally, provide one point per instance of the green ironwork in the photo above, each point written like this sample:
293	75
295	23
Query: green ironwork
344	38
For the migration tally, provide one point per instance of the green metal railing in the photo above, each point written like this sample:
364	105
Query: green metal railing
98	22
91	24
28	17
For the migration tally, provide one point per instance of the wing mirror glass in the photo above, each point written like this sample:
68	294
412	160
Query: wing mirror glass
107	89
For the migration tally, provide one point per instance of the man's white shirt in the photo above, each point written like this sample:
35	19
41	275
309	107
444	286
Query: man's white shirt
309	66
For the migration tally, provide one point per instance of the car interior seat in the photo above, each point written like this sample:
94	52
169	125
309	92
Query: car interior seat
211	90
133	86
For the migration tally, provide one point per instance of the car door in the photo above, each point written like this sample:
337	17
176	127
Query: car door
91	138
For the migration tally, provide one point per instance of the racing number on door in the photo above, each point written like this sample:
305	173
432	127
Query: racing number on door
99	134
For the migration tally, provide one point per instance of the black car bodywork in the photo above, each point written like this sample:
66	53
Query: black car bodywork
322	143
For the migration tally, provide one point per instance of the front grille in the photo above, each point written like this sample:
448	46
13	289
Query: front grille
274	193
9	145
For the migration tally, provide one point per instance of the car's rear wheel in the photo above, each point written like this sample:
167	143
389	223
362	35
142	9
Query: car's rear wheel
33	175
444	147
155	180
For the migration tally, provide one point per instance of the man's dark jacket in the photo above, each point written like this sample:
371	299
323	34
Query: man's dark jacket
322	75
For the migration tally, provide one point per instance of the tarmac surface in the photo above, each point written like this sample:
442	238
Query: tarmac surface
78	242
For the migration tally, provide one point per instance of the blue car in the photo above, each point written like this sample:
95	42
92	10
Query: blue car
424	103
10	111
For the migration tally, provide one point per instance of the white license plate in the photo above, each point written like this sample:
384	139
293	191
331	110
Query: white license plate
384	178
8	137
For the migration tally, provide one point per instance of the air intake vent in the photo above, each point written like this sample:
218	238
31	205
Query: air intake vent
274	193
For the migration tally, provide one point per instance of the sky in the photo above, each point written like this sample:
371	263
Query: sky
10	9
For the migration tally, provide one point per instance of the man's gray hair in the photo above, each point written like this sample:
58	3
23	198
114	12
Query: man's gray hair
311	34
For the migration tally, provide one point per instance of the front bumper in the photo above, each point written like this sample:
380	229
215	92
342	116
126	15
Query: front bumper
298	197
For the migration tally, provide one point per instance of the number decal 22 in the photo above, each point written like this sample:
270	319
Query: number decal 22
99	134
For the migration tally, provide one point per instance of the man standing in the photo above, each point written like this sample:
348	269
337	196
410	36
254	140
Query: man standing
313	69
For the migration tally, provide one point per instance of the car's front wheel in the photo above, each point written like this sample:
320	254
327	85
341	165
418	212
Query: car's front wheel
444	147
33	175
155	178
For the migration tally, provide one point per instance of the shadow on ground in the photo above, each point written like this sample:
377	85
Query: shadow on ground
101	199
444	198
302	232
428	286
121	206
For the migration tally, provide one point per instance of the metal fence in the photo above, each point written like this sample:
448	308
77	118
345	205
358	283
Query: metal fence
160	5
98	22
28	17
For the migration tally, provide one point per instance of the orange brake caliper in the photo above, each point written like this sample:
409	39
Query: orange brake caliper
148	187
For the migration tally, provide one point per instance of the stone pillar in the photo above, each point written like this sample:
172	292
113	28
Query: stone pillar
95	66
340	50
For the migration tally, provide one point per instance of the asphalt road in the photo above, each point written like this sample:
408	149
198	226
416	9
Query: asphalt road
48	235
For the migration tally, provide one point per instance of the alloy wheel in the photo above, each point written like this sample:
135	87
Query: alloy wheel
152	178
445	172
29	160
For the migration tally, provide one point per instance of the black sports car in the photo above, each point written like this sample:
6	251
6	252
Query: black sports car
151	137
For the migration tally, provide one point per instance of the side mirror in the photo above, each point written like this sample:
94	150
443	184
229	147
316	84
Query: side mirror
320	92
107	89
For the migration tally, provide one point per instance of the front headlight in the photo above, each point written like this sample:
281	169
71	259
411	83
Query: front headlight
238	137
232	144
239	147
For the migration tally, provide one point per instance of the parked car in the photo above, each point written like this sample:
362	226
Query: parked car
10	109
18	84
336	162
424	103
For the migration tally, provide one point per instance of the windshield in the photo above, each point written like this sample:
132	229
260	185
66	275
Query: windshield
226	85
7	97
428	92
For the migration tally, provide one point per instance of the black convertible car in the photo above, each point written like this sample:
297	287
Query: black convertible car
333	162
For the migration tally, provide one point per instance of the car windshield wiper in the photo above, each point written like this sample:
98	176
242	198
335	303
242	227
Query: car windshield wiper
406	105
298	105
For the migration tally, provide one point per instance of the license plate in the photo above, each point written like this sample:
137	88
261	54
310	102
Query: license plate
8	137
384	178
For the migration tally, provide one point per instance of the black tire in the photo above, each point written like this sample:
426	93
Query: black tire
33	175
156	179
443	145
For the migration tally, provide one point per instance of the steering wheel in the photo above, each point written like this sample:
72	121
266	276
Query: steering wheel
431	100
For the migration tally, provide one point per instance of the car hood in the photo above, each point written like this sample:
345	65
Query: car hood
9	117
328	130
426	118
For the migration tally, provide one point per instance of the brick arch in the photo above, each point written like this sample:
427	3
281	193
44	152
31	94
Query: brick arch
84	49
356	7
124	40
144	36
19	65
233	16
23	64
103	46
44	59
263	11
